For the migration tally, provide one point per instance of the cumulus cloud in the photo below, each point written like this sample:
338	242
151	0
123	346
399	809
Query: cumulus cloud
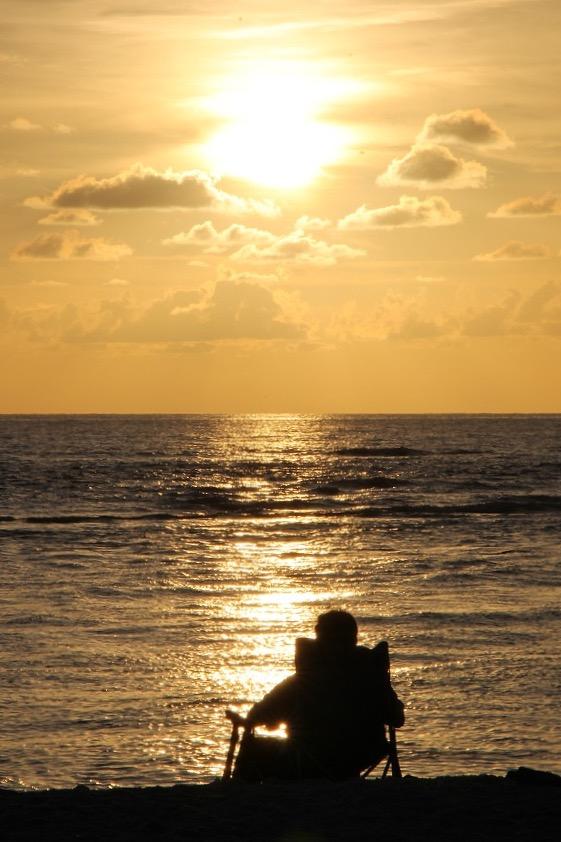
144	187
427	165
254	245
472	126
69	245
206	237
70	217
410	212
311	224
297	247
516	250
528	206
228	311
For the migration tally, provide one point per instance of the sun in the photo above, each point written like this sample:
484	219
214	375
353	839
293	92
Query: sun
273	133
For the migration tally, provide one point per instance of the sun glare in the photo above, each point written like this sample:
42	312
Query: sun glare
273	133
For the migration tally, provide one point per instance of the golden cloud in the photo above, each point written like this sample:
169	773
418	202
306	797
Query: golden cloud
69	245
409	212
206	237
228	311
528	206
516	250
143	187
297	247
426	165
71	217
472	126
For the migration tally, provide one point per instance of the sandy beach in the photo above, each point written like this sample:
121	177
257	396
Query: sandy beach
524	805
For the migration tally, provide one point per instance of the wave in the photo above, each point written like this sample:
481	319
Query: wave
101	518
339	485
318	500
523	504
459	617
380	451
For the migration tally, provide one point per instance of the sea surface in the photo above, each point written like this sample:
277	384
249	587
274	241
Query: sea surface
156	569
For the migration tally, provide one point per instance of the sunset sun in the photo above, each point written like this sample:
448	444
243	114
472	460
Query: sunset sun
272	132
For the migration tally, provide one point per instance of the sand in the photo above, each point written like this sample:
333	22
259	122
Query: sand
524	805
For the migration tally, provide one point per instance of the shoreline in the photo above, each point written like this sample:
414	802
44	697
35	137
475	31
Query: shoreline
523	805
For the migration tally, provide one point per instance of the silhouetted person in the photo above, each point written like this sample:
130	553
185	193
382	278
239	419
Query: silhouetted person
334	707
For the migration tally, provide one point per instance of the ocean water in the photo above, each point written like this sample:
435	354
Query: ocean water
156	569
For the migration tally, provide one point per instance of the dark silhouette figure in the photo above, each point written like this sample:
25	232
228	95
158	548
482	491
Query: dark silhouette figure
335	707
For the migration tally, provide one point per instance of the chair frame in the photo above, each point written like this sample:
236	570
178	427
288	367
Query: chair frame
239	722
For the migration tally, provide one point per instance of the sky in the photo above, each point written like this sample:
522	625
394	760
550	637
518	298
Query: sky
280	207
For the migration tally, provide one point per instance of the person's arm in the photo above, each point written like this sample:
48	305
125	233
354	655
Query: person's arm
275	707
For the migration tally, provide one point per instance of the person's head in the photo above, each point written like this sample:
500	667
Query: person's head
336	628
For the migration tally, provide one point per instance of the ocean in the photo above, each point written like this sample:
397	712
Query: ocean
155	570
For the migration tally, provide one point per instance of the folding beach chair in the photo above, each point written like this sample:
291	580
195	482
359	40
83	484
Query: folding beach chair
259	757
262	754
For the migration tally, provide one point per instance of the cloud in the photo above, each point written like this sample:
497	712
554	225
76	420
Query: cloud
528	206
426	165
17	170
69	245
227	274
144	187
297	247
495	320
22	124
117	282
430	279
70	217
206	237
254	245
312	224
49	284
472	126
516	250
537	306
62	128
410	212
228	311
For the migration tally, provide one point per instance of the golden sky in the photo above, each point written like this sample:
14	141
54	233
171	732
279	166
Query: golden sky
280	207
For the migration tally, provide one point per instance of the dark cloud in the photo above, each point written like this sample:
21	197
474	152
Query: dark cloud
144	187
472	126
410	212
428	165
